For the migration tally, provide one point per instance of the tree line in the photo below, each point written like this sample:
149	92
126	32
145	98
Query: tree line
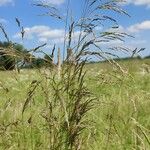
14	55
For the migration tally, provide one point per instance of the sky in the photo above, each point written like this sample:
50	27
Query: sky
41	29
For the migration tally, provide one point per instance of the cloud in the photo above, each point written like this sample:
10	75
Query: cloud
53	2
46	34
135	28
145	25
139	2
42	33
119	29
3	21
5	2
131	30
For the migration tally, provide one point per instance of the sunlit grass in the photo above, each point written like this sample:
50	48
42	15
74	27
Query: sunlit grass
121	119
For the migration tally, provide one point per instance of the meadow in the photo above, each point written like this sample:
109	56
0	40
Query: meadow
120	118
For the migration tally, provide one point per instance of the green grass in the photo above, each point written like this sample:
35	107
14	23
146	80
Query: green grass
121	118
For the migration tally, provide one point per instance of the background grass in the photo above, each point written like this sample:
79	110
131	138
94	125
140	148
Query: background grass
121	120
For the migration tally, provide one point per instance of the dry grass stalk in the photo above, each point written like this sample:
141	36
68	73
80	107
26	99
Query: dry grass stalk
59	63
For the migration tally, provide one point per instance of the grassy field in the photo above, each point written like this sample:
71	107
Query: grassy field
121	120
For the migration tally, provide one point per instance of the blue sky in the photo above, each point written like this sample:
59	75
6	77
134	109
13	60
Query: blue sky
41	29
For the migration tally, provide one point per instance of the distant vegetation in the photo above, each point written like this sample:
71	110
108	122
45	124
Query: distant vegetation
9	61
14	55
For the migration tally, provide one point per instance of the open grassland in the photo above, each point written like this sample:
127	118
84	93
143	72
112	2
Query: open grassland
121	120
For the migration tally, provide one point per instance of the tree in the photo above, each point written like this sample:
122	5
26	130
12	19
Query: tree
7	62
8	53
48	60
37	63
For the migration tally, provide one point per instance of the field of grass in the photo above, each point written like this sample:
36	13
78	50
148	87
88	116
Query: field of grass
121	120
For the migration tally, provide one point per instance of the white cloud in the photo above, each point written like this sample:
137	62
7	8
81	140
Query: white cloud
43	39
46	34
5	2
3	21
138	42
119	29
54	2
42	33
139	2
131	30
135	28
145	25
